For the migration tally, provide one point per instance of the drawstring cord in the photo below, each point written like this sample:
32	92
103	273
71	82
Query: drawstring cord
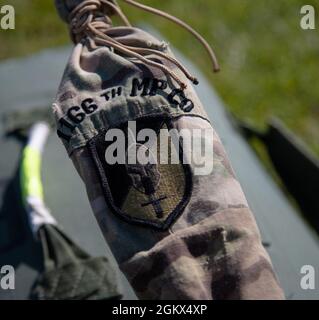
181	24
91	18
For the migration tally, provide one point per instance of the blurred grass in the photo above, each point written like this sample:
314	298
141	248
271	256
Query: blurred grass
269	64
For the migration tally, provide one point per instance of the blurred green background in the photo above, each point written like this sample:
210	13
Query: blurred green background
269	64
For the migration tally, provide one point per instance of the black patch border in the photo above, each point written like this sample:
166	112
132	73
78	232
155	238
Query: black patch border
173	216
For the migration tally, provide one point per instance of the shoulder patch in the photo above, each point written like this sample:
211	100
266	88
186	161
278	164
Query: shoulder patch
152	195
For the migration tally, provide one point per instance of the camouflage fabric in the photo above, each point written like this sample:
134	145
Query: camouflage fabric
174	233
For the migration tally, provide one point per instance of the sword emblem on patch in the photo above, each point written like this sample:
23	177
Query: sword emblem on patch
152	194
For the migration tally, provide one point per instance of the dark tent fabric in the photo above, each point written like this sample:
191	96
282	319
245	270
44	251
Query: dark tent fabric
295	164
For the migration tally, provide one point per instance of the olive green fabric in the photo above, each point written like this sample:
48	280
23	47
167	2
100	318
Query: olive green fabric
70	273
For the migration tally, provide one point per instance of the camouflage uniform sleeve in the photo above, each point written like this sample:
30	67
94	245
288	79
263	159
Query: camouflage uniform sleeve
174	233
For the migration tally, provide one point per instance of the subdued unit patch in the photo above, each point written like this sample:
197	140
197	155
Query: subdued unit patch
152	195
